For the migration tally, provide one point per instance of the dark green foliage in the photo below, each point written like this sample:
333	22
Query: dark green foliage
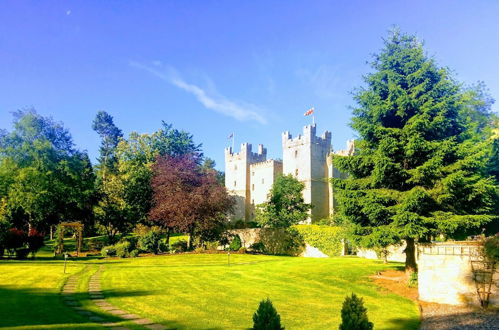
285	206
354	314
257	247
110	136
281	241
235	244
108	251
413	280
420	168
43	178
178	246
266	317
150	242
134	253
491	248
22	253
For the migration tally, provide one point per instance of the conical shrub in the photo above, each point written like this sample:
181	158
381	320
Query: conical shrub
266	317
354	314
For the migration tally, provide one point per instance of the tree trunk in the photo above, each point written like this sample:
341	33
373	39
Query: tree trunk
168	237
410	256
189	245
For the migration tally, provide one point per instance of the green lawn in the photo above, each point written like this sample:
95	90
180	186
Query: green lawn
201	292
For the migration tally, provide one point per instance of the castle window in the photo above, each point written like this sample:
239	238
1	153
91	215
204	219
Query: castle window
234	183
263	180
296	172
235	167
253	186
253	173
296	153
252	201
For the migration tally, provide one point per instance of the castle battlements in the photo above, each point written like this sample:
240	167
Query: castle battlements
249	175
309	136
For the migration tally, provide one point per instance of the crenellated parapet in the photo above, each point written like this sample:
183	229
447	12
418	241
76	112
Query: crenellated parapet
309	137
246	153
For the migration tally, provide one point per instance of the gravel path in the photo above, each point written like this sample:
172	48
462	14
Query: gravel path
447	317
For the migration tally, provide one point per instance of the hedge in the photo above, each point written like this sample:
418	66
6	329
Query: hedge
325	238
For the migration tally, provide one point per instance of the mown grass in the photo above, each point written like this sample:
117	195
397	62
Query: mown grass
203	292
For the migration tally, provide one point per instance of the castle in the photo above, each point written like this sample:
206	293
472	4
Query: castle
249	175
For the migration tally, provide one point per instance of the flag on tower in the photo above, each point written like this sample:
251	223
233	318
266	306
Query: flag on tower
309	111
231	135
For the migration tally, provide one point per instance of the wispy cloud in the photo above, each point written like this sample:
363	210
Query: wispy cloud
325	80
211	100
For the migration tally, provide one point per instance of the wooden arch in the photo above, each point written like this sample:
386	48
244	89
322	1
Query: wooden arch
78	226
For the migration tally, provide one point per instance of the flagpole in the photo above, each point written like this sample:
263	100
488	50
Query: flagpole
233	142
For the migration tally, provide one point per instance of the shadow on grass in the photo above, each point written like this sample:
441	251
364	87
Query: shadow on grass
37	307
404	323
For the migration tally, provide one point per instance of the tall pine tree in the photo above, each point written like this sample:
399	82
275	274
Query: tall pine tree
420	167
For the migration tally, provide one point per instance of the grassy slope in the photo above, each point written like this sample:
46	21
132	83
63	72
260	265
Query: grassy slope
200	291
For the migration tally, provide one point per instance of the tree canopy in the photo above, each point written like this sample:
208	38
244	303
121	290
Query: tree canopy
285	205
420	167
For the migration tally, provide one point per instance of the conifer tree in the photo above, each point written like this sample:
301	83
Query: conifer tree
266	317
420	167
354	314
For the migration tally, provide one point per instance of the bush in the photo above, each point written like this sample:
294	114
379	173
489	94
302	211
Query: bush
108	251
178	246
22	253
212	246
242	250
35	241
257	247
14	239
266	317
354	315
235	245
413	280
325	238
94	244
134	253
280	241
491	248
122	249
150	242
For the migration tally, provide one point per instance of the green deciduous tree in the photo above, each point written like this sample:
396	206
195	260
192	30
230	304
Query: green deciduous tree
44	179
285	205
423	149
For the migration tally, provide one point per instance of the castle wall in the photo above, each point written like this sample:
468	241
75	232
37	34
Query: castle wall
262	177
305	158
237	177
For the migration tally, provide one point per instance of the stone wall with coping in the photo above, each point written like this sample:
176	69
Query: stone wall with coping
445	274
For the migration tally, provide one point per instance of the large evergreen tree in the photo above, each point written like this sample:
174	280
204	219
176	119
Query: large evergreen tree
420	167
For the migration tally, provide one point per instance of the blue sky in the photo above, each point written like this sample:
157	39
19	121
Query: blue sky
216	67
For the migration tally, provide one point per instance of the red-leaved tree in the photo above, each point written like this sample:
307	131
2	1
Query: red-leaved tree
187	198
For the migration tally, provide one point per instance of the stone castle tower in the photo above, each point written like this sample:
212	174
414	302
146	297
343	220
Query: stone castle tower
249	176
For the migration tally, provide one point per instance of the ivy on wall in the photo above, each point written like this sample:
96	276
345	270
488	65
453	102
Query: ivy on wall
328	239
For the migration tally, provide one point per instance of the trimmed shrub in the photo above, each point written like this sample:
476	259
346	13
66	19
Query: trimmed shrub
325	238
122	249
354	314
266	317
242	250
282	241
257	247
212	246
235	245
22	253
150	242
108	251
134	253
178	246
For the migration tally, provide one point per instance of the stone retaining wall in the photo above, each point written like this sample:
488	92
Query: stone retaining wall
445	274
